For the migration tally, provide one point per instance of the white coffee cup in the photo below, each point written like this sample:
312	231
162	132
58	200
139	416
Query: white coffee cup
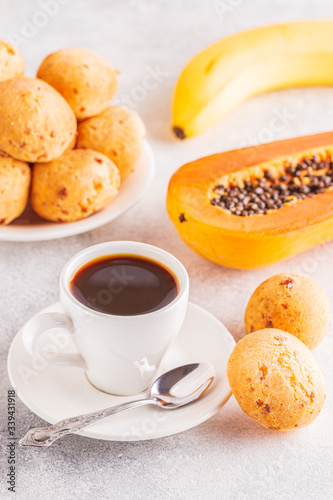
120	354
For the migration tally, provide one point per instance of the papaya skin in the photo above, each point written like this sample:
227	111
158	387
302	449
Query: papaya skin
248	242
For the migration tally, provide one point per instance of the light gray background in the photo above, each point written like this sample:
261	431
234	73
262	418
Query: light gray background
230	456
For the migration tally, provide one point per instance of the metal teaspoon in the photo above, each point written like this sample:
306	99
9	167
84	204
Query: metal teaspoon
173	389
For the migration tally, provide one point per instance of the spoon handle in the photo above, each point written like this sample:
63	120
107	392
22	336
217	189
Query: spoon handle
43	437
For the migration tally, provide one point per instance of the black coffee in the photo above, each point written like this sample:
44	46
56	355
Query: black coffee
124	285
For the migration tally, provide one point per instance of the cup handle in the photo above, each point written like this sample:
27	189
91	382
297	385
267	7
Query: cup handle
40	324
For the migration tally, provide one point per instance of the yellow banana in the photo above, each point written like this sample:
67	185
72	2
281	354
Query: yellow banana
249	63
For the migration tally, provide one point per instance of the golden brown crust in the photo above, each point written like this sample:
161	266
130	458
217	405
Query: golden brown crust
36	124
11	61
290	302
72	143
276	380
86	80
73	186
15	178
118	133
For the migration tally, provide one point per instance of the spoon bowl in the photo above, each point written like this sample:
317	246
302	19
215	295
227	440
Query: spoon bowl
182	385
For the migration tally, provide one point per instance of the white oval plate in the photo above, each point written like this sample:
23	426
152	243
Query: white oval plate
30	227
56	392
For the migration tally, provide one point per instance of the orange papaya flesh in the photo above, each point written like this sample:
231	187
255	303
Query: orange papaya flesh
257	240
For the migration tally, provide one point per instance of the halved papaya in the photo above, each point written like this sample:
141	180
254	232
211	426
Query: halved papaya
240	237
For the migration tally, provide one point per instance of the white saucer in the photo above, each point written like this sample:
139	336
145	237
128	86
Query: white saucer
30	227
55	392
